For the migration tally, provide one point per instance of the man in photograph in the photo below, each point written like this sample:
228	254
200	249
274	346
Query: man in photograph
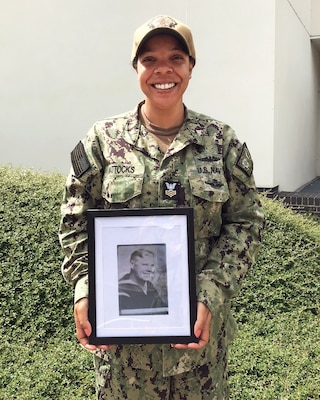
137	295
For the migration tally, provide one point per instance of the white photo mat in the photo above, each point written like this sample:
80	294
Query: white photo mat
163	231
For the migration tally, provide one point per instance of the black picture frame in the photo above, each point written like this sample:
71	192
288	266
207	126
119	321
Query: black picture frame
141	276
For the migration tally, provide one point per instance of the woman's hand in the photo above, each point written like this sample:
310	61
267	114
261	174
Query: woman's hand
201	329
83	326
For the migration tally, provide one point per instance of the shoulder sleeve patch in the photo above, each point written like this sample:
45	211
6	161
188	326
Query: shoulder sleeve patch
244	161
79	159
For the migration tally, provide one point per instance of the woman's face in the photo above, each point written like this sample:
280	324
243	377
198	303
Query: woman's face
164	71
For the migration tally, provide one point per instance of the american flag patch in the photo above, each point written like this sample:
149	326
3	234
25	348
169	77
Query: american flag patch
79	159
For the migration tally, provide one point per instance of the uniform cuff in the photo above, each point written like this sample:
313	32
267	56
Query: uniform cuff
208	292
81	289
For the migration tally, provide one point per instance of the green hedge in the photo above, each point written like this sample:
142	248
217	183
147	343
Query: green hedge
276	354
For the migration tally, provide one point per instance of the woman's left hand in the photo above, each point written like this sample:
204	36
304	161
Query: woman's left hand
201	329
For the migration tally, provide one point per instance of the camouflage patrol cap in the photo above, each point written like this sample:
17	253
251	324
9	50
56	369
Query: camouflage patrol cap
163	24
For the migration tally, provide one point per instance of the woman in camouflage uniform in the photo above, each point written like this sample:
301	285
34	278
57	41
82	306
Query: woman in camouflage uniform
131	161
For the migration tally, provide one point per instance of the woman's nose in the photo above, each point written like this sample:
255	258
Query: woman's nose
163	68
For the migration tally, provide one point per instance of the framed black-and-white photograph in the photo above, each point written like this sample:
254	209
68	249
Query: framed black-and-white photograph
141	276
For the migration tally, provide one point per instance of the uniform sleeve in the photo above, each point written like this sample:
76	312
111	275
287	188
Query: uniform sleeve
240	237
82	192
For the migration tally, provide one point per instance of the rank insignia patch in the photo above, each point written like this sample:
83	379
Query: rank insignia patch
79	159
170	189
173	191
245	162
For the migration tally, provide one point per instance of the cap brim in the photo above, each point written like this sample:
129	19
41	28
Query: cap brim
162	31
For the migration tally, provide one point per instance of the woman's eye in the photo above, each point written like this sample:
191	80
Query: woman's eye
177	57
147	59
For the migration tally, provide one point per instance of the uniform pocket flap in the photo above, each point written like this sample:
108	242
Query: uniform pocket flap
212	190
121	188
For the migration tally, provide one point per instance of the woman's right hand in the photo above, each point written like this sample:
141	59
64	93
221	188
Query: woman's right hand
83	326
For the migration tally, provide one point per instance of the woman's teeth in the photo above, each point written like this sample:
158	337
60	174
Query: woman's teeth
164	86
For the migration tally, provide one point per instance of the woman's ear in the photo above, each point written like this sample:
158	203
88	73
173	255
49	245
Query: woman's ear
191	69
134	64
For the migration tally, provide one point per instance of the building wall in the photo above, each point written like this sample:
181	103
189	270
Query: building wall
296	101
65	65
315	17
315	34
234	78
303	11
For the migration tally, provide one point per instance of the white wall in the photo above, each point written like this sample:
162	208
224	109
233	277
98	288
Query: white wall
65	64
296	99
315	18
234	78
302	9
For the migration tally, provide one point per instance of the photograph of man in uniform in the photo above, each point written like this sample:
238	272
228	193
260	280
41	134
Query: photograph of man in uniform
138	294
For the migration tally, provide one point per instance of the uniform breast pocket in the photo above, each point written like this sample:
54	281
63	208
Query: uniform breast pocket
121	188
208	197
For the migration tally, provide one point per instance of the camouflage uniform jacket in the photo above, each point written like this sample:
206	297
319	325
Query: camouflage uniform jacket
119	165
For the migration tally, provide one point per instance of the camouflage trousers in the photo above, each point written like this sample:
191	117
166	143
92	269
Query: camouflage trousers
206	382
